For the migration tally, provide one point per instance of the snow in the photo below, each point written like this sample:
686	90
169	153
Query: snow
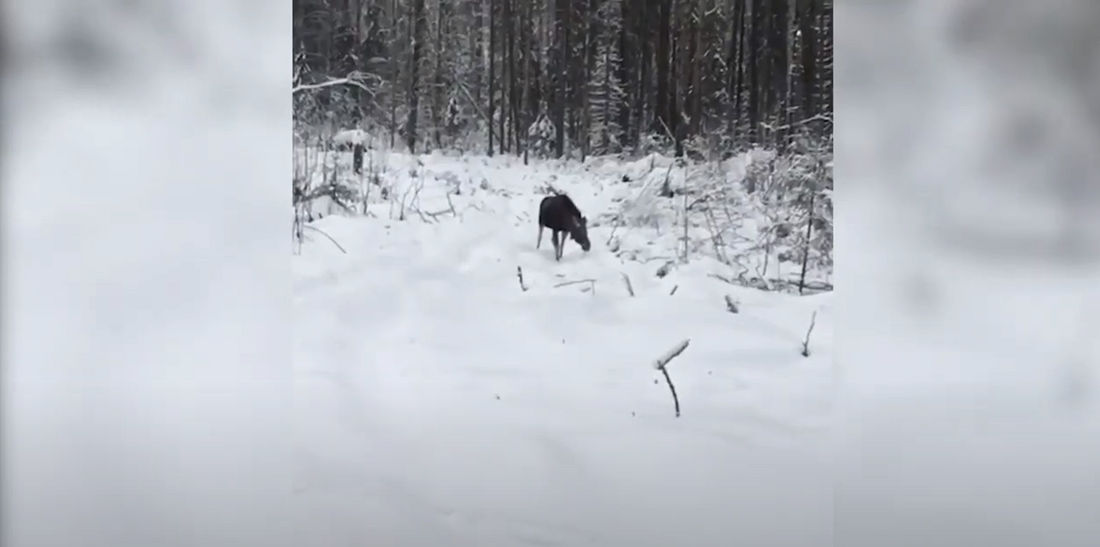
439	403
146	284
350	137
968	409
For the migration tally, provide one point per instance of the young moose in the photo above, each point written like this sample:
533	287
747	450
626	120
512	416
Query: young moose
560	214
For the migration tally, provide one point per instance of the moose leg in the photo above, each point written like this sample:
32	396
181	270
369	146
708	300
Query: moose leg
557	245
539	243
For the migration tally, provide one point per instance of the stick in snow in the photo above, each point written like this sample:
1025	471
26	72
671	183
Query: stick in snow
519	274
662	365
806	342
318	230
629	287
591	284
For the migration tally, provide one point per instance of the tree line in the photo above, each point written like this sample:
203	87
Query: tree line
568	77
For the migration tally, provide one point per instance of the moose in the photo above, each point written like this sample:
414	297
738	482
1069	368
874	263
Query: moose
561	215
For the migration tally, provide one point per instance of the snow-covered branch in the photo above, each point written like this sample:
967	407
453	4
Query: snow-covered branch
357	79
661	364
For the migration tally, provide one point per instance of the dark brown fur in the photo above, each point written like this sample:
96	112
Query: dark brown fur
562	216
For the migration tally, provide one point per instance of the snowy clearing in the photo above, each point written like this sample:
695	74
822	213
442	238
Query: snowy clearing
443	401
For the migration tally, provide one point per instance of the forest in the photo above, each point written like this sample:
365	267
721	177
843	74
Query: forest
568	78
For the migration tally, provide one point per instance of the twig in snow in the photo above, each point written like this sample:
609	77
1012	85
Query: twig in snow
716	238
406	201
673	291
519	274
629	287
591	282
806	342
422	215
721	278
451	205
661	364
731	306
318	230
437	214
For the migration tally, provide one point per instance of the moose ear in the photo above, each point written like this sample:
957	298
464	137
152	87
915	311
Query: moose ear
584	220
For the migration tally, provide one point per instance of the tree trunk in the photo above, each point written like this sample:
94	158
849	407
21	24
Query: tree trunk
561	74
663	120
492	58
414	74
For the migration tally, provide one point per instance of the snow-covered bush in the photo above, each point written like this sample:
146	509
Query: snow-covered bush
766	216
793	200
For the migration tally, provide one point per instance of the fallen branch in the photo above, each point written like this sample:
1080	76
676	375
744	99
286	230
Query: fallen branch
591	282
673	291
318	230
438	214
806	342
519	274
629	287
731	306
661	364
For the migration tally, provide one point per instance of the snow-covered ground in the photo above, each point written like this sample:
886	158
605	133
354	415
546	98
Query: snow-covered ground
439	402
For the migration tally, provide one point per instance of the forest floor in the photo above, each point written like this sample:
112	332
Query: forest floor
456	386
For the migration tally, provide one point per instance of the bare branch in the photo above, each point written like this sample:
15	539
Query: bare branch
629	287
519	274
672	388
806	342
318	230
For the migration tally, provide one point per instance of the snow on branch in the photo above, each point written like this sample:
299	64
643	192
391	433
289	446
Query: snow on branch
661	364
817	118
671	354
357	79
